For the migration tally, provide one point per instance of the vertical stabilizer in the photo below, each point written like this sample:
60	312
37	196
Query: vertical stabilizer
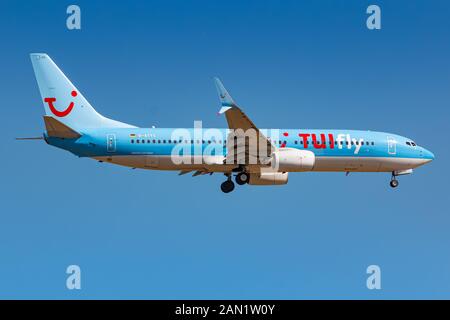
63	101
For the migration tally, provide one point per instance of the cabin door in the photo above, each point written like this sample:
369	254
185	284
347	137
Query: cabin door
392	145
111	142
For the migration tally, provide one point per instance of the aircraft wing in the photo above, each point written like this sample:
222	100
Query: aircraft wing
249	144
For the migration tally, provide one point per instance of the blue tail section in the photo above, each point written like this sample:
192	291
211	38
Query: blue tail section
63	101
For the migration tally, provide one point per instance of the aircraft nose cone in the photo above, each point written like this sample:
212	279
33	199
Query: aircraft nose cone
428	155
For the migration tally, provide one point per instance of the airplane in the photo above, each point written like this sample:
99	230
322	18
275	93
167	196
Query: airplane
242	151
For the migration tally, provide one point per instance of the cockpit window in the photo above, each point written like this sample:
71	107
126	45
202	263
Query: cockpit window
413	144
408	143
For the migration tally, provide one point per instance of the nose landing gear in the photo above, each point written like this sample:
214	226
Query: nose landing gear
394	182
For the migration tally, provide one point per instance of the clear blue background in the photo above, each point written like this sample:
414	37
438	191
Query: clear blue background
292	64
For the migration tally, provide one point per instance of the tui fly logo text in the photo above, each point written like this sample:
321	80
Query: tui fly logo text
319	141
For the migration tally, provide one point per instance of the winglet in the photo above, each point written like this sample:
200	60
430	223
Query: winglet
226	100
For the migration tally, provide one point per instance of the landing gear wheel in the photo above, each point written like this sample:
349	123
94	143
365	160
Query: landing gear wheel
394	183
227	186
242	178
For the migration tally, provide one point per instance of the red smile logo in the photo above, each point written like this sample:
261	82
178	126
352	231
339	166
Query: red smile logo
57	112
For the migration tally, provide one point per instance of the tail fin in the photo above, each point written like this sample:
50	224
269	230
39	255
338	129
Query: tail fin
63	101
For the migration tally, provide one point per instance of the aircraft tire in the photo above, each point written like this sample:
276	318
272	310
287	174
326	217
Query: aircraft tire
394	183
242	178
227	186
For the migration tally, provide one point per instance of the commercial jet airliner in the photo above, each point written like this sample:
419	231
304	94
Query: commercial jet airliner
242	151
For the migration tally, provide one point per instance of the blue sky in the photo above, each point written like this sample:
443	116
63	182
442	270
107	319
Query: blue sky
291	64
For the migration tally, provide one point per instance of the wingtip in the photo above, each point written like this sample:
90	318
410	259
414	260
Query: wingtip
218	83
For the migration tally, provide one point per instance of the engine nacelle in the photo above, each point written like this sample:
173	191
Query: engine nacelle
292	160
268	178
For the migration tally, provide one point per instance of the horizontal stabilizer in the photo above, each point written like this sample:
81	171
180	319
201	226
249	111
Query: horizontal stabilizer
58	129
30	138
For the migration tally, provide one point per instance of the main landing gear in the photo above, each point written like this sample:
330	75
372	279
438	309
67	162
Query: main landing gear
228	185
394	182
242	178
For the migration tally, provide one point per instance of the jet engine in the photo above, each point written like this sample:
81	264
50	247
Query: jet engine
292	160
268	178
